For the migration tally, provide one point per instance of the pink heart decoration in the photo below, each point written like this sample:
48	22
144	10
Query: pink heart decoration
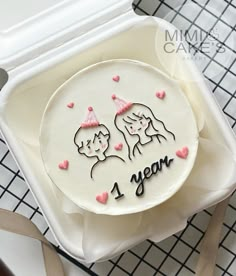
102	198
64	165
183	153
70	105
116	78
119	147
161	95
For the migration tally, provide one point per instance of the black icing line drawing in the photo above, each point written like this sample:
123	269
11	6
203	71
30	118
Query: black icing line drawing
139	120
96	146
92	140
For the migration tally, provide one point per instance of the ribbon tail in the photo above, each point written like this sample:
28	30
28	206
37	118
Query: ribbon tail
210	244
18	224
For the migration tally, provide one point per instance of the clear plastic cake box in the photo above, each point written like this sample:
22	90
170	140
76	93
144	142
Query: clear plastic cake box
42	45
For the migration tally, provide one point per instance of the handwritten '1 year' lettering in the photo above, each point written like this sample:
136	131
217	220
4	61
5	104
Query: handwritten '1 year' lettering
117	190
148	172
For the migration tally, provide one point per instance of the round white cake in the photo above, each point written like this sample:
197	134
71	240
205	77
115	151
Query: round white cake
119	137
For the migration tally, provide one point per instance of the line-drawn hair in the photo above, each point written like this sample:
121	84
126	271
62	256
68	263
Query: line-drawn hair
156	127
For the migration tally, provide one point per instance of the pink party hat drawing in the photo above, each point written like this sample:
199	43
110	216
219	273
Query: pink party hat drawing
91	119
121	105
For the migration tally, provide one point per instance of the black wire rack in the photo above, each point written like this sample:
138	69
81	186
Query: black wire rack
178	254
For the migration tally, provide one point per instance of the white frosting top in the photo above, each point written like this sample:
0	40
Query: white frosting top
119	137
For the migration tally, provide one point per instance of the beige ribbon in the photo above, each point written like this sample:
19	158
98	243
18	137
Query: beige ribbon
210	243
18	224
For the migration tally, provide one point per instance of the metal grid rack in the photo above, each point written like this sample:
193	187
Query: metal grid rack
178	254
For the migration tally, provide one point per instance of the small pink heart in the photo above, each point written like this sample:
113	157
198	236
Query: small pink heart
102	198
183	153
116	78
119	147
70	105
64	165
161	95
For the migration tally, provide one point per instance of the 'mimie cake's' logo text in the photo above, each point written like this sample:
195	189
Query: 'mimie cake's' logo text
190	42
207	41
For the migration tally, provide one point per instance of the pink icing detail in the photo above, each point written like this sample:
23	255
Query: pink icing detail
90	124
124	109
113	97
121	105
119	146
161	95
183	153
102	198
70	105
64	165
91	119
116	78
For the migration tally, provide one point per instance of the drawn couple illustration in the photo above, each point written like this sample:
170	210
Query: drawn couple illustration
135	121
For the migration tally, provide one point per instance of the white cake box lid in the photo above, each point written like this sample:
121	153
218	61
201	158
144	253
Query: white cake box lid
29	29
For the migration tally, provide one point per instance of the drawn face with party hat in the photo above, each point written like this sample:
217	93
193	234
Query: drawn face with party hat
139	125
92	140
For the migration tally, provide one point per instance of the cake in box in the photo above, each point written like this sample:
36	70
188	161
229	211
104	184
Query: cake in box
119	137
